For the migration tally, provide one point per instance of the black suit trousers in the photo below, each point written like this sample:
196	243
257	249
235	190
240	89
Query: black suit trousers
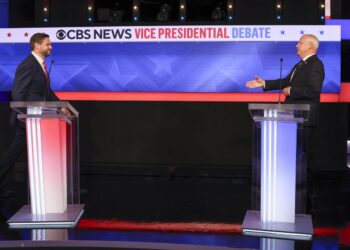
17	146
309	140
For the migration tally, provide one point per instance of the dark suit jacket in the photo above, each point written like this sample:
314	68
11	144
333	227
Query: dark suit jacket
30	84
306	86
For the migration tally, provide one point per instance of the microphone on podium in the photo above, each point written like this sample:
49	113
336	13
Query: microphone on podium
280	81
48	81
52	62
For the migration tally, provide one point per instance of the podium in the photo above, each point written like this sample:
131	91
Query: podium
277	169
53	166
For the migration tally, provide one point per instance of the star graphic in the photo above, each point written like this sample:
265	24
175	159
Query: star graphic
321	32
63	72
113	77
283	32
9	34
26	34
236	70
7	72
302	32
163	63
9	68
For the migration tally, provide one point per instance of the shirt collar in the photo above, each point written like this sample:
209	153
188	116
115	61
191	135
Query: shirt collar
308	56
38	58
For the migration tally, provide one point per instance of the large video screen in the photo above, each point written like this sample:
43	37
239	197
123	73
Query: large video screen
85	60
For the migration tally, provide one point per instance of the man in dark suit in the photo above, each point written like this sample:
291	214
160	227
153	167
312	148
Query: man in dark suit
31	83
302	85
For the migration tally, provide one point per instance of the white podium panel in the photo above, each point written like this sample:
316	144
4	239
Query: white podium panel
278	170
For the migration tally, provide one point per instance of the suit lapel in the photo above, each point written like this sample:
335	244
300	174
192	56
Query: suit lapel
301	68
295	70
38	66
39	75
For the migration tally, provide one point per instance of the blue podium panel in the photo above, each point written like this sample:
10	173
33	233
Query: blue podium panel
276	165
278	170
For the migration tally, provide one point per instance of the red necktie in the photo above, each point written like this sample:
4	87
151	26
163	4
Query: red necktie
45	70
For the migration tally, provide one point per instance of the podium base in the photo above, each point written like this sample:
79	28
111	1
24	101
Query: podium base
300	230
25	219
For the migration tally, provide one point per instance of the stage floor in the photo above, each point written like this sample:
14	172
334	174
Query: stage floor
114	239
162	211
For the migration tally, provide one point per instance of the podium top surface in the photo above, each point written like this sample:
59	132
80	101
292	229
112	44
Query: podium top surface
279	112
279	107
44	107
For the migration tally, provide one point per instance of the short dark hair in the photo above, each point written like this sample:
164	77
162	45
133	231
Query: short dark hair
37	38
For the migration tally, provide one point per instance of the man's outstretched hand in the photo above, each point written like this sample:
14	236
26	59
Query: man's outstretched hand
257	83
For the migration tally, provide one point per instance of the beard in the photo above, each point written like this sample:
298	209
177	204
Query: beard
46	53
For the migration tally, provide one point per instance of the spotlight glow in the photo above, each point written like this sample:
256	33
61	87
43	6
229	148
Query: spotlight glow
45	9
230	6
182	6
135	7
348	147
90	8
322	6
278	6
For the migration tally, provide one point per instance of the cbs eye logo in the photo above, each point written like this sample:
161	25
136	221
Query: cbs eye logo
61	34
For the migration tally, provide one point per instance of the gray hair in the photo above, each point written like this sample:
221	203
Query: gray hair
314	40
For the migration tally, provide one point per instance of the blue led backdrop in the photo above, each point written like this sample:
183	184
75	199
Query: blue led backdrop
167	66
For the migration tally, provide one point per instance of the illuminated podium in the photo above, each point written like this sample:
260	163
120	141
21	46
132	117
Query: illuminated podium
53	166
277	172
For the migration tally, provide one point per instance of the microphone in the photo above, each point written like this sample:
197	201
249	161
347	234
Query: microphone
280	87
52	62
48	80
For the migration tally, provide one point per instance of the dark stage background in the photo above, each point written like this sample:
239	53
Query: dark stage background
183	160
184	134
65	13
